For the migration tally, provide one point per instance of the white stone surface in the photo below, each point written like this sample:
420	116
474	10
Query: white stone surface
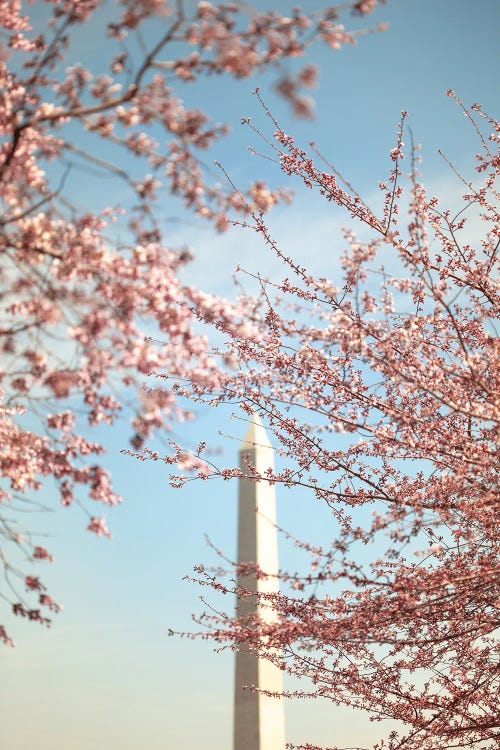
259	721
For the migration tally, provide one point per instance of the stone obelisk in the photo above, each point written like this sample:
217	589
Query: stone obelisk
259	720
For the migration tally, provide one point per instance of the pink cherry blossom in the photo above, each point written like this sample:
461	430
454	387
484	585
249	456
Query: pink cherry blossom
79	284
382	395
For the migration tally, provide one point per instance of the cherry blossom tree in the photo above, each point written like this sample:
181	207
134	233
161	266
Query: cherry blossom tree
78	285
381	387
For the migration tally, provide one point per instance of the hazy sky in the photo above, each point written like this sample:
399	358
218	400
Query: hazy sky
106	675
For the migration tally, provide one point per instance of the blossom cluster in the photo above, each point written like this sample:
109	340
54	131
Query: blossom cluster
80	286
381	388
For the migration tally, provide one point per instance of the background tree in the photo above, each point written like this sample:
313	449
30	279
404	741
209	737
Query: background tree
381	387
76	291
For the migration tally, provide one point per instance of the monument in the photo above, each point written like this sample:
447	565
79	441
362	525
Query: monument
259	720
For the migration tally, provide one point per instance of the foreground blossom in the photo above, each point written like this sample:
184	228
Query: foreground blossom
81	286
381	386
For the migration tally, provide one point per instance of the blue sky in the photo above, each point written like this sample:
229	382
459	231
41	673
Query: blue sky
106	674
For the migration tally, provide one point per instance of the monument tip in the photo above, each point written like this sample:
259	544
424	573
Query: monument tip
255	436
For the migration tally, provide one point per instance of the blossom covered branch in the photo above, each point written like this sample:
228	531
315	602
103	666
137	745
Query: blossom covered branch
381	387
79	285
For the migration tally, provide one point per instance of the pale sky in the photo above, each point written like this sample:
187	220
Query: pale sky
106	675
